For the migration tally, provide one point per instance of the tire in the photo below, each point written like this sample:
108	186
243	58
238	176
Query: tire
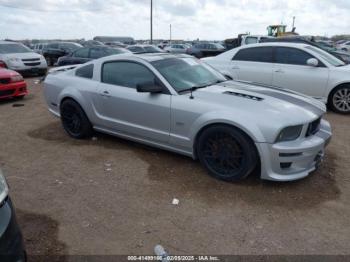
339	99
74	120
227	153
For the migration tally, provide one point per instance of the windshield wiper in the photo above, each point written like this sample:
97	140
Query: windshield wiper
194	88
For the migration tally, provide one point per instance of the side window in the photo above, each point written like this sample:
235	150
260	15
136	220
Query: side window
251	40
291	56
83	53
85	71
54	46
97	53
255	54
126	74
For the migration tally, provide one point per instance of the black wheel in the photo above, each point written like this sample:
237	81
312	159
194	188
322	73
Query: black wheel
227	153
339	99
48	61
74	120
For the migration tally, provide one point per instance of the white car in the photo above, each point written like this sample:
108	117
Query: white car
176	49
20	58
344	46
299	67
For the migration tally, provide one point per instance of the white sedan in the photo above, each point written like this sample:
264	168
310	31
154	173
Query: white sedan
298	67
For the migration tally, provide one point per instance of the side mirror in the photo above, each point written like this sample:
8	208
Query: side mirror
149	87
312	62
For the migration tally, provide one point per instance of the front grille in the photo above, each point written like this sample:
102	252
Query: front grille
7	92
31	59
313	128
32	64
5	81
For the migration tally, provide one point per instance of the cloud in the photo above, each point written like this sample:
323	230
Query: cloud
190	19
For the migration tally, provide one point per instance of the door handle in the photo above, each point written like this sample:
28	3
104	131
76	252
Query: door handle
279	71
105	93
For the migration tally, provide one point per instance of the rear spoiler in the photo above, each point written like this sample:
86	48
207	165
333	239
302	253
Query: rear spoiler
56	70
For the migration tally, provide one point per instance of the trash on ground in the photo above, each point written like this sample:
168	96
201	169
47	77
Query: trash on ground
175	201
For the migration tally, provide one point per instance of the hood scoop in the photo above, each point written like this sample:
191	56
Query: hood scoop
256	98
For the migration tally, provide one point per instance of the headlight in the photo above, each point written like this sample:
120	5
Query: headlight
17	78
289	133
14	60
4	189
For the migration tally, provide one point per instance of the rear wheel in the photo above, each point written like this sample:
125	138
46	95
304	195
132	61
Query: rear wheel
339	99
74	120
227	153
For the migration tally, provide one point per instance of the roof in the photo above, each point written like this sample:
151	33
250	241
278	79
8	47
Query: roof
150	57
285	44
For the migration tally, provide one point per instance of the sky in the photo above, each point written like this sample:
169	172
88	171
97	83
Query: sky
190	19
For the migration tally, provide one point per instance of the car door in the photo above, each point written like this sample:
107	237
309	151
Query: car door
291	71
124	110
253	64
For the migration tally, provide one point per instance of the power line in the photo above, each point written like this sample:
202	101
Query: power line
50	10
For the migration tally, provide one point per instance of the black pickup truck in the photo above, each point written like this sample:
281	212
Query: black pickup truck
55	50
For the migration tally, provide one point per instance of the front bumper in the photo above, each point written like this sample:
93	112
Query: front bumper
25	69
11	240
288	161
17	89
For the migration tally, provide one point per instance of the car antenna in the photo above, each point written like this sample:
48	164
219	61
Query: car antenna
191	96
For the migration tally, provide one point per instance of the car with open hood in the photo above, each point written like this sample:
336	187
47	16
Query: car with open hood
179	103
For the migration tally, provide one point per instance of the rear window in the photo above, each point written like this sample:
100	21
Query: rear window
85	71
255	54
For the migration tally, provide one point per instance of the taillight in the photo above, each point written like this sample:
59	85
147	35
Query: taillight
2	64
16	78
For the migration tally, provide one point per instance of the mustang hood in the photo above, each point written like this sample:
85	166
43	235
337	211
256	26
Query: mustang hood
264	101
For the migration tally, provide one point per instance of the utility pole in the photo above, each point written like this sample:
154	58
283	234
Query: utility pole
170	34
293	21
151	21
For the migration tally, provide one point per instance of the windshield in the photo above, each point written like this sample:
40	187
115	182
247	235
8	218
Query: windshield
186	73
13	48
326	56
71	46
115	51
153	49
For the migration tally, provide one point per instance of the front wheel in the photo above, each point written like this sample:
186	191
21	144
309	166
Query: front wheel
339	100
227	153
74	120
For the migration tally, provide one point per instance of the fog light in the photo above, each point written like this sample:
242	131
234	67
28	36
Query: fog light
286	165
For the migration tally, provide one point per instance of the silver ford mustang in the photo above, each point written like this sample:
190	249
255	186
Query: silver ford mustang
178	103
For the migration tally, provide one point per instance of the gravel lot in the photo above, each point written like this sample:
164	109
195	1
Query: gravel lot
69	202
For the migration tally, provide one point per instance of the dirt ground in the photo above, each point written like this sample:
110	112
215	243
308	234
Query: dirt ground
108	196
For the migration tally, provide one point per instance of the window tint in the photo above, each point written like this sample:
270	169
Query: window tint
291	56
83	53
85	71
255	54
97	53
126	74
54	46
251	40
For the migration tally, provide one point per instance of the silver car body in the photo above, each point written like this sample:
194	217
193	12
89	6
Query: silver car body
173	121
